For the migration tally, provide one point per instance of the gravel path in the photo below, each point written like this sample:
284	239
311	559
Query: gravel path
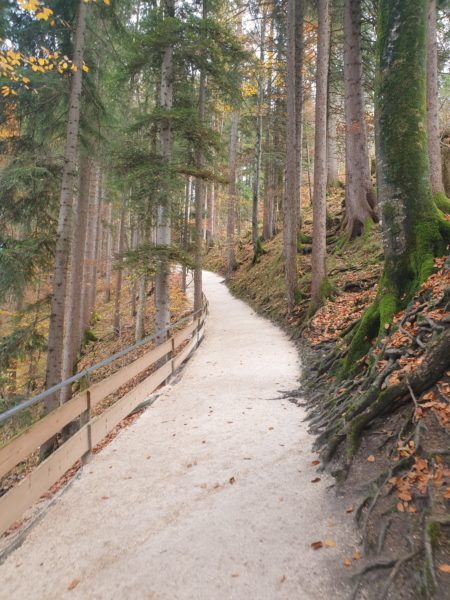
208	495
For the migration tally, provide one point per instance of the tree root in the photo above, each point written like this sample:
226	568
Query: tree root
393	563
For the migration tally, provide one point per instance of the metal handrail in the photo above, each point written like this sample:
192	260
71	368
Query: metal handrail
4	416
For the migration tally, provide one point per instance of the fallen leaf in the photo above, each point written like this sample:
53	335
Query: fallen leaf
371	458
356	556
270	428
330	543
347	562
444	568
315	480
281	578
316	545
232	480
73	584
234	574
315	462
400	507
350	509
447	493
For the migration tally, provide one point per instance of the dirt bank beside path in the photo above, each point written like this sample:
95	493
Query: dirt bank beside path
207	496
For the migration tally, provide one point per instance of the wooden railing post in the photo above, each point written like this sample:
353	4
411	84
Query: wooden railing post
85	419
172	354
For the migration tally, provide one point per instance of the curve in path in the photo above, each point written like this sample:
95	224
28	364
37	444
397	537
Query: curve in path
208	495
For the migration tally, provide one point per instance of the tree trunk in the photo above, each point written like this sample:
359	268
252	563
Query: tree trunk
413	231
88	295
359	198
119	272
231	204
72	338
96	242
319	245
163	225
199	191
258	144
268	162
291	196
210	208
299	49
187	203
332	155
63	240
434	146
108	253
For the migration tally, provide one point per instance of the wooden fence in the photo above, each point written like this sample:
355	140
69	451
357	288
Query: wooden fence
30	489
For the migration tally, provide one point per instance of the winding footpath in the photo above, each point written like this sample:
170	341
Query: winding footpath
208	495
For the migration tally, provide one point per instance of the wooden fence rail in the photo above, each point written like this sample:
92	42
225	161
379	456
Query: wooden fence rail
28	491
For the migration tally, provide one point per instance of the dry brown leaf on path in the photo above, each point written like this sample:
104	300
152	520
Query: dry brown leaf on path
316	545
315	462
444	568
330	543
347	562
73	584
371	458
232	480
356	556
315	480
281	578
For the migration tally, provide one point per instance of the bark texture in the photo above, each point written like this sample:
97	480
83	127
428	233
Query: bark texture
290	209
63	240
231	201
319	245
359	197
199	193
72	337
163	224
434	149
414	231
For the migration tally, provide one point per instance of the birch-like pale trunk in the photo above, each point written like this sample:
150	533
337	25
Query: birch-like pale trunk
359	197
63	239
434	140
319	245
163	222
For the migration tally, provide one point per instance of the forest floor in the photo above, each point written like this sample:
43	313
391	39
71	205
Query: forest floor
213	492
400	469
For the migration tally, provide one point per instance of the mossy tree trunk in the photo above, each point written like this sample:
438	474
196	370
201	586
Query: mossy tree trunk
414	231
